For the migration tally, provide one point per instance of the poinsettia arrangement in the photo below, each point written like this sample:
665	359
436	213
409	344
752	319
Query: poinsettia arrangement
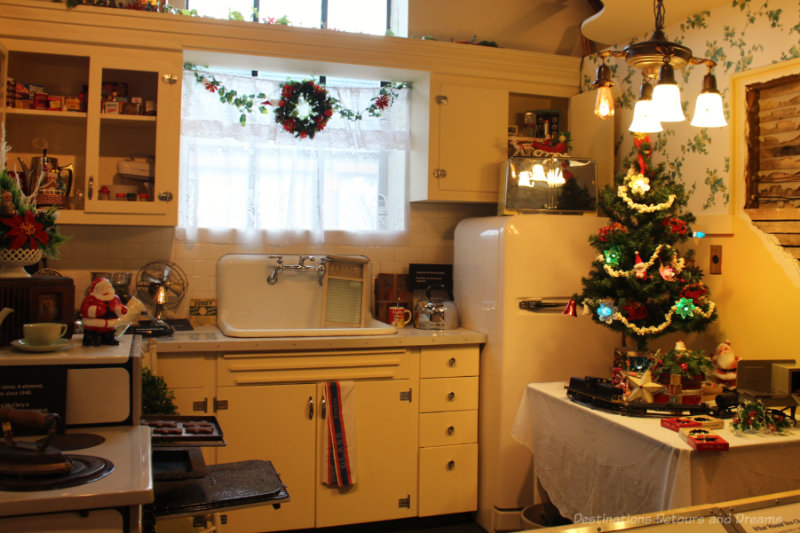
22	225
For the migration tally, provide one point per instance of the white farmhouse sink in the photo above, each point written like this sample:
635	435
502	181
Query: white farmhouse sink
249	306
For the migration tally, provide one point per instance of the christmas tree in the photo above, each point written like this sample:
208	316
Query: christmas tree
640	284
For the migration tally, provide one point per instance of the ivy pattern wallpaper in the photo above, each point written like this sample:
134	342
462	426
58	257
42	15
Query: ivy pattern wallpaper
739	36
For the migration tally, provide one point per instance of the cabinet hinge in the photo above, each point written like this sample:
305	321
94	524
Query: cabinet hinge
439	173
223	519
404	502
200	406
220	405
405	396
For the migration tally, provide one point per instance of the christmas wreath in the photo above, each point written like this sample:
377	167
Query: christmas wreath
304	108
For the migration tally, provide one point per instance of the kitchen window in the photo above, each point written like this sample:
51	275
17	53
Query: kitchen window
259	179
374	17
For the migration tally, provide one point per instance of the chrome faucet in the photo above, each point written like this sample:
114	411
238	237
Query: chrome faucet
301	265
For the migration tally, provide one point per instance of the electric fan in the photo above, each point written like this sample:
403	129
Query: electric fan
161	284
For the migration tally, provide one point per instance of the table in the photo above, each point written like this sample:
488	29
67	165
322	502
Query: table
597	465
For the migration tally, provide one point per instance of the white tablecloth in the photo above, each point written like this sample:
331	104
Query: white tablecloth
595	464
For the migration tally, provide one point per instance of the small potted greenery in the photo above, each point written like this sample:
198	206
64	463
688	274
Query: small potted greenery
691	365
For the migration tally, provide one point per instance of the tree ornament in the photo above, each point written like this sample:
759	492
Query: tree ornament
637	182
570	308
612	255
644	387
685	307
639	268
606	313
635	310
608	231
667	273
675	225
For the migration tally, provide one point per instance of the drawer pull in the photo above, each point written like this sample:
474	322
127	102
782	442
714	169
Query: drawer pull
451	464
451	361
310	408
451	430
324	405
451	396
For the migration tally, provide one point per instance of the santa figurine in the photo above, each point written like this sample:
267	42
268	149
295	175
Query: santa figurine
725	363
100	314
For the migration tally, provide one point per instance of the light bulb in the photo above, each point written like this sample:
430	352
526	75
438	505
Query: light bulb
667	100
604	104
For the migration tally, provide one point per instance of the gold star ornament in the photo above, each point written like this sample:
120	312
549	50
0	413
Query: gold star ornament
644	387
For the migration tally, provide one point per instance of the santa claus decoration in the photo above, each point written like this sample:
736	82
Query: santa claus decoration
725	363
100	313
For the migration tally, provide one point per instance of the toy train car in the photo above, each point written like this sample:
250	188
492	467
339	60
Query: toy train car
601	393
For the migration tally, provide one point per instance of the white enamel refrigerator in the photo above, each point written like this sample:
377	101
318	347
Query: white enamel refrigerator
500	262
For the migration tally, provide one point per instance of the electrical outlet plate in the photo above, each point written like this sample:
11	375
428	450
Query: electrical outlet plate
715	263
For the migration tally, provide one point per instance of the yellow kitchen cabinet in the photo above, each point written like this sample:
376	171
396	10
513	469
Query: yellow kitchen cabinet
448	430
467	142
95	139
274	408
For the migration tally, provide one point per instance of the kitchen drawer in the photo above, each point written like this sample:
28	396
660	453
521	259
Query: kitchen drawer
448	394
186	371
449	361
448	428
448	479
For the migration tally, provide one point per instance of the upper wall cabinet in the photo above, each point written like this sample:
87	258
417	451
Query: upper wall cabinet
466	144
109	118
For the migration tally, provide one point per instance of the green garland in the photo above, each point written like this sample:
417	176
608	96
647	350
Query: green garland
304	107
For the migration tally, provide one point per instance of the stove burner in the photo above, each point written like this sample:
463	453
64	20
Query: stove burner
85	469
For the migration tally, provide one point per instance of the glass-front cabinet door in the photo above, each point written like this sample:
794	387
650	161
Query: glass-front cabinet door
107	119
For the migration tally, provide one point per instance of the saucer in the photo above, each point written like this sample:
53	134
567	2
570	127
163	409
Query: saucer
22	344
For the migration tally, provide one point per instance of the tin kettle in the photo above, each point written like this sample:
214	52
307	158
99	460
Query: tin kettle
436	313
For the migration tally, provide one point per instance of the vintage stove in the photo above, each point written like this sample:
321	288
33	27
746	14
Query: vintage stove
96	393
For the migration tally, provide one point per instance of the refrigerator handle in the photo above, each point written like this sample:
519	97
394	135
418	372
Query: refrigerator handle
544	305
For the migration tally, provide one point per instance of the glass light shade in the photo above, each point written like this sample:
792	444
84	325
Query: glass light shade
644	118
708	111
667	100
604	104
538	173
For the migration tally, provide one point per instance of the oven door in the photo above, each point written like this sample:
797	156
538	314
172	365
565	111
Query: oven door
96	521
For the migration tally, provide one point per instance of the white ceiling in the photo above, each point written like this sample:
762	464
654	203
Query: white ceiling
622	20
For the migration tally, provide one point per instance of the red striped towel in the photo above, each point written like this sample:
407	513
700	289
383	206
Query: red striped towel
339	452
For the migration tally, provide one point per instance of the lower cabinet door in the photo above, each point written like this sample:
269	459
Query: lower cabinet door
274	423
385	453
448	479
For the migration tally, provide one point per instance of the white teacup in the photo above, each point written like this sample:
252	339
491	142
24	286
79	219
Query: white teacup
43	333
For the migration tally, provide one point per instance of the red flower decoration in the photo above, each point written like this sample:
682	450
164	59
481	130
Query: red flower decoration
607	231
694	291
675	225
684	366
25	231
211	87
382	102
635	310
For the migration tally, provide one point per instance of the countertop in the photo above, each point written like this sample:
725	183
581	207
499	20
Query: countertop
210	339
74	353
130	483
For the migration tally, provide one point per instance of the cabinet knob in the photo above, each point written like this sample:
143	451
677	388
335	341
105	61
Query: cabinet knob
451	396
451	430
439	173
441	99
451	464
310	405
172	79
90	189
165	196
451	361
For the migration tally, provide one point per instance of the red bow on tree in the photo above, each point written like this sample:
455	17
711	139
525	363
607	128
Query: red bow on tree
639	141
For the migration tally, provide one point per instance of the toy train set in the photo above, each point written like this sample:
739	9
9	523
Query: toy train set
601	393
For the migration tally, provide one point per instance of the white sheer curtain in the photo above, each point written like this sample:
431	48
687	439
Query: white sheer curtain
243	181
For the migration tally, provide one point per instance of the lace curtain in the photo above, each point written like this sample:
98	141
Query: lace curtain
258	182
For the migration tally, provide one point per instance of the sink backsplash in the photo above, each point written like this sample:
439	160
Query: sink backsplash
428	239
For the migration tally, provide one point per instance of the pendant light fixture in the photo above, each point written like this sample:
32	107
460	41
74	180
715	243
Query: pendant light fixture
657	58
644	112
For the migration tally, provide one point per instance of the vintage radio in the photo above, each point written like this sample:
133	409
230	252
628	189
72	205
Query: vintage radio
36	300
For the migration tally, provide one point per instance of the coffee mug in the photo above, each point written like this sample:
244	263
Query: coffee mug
43	333
399	316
